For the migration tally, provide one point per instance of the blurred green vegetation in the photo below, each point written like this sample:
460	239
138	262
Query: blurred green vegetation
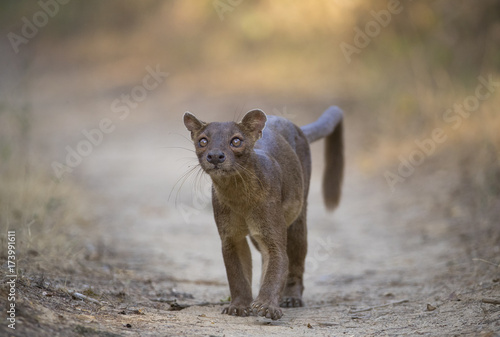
458	37
425	60
77	17
286	48
48	216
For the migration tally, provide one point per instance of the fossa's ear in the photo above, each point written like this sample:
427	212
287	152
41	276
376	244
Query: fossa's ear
192	123
254	121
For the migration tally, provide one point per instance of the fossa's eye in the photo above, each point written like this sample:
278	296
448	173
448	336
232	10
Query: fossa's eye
236	142
203	142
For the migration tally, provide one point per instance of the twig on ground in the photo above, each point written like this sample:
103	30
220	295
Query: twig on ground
79	296
488	262
491	301
378	306
175	306
83	297
327	324
198	304
204	304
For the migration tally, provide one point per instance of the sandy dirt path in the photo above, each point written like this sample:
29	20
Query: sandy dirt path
383	264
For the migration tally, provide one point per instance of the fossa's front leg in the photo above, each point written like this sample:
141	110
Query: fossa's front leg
238	262
268	230
237	259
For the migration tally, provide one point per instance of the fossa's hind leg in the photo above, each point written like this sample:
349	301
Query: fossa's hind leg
296	250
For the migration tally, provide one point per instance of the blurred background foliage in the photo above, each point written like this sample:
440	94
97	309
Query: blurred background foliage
285	49
288	53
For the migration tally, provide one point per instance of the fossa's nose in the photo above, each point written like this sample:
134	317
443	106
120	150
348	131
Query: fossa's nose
216	157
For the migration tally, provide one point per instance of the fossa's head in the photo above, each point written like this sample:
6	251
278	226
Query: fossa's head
224	148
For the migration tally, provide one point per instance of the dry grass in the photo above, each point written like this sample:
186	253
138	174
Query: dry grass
47	215
470	157
396	133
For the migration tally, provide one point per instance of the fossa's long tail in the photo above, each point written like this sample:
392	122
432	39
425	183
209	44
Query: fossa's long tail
330	126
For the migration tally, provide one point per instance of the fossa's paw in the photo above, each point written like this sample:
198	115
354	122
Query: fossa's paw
291	302
266	310
236	310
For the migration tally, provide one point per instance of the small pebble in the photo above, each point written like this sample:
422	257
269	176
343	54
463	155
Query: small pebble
430	307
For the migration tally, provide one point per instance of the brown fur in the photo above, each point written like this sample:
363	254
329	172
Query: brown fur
260	169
